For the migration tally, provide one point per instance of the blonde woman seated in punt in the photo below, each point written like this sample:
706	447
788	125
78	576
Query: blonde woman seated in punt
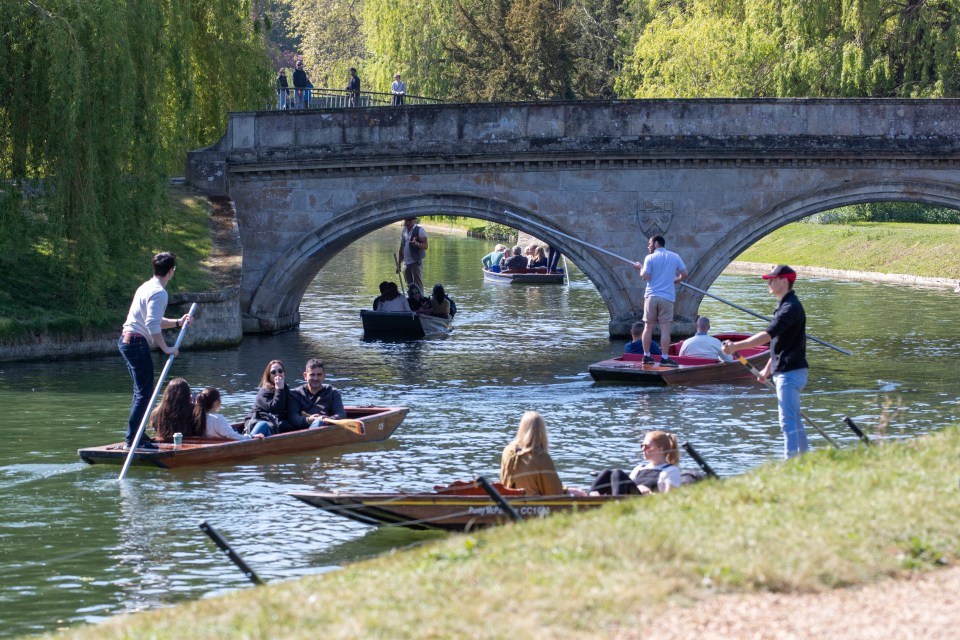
659	474
661	471
526	463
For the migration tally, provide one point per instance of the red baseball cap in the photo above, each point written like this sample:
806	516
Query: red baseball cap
781	271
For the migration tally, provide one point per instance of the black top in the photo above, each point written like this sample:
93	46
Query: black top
327	402
788	348
300	79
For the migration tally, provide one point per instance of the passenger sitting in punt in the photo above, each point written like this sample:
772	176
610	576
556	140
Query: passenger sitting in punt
390	298
309	404
269	414
537	259
513	260
491	261
526	464
211	424
174	414
416	300
636	345
704	345
659	474
439	303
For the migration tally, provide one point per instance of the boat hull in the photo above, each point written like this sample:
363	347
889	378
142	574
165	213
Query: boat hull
523	277
402	325
379	424
629	369
444	512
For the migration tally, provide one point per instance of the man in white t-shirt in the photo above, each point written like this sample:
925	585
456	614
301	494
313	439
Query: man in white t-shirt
703	345
662	270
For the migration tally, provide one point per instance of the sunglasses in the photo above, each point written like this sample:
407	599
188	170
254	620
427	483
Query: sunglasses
276	371
647	445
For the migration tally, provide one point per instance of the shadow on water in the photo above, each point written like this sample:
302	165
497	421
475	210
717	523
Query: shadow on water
77	546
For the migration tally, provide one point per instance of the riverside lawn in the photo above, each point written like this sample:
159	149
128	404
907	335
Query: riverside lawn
929	250
824	520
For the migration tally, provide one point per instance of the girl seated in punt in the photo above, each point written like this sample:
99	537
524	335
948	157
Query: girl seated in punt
659	474
211	424
174	414
526	464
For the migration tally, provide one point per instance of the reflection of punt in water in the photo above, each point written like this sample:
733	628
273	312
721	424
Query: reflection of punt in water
402	325
527	276
379	424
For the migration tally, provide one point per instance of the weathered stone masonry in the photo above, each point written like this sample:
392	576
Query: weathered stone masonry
713	176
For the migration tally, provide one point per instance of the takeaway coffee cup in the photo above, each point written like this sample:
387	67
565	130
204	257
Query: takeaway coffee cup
177	440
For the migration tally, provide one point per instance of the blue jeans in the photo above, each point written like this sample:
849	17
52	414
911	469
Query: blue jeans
262	427
789	384
136	353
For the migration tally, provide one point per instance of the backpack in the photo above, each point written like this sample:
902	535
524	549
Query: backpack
453	306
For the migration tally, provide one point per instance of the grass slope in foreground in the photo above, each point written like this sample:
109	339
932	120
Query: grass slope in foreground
828	519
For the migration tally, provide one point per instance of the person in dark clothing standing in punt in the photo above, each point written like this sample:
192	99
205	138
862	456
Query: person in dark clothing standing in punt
786	335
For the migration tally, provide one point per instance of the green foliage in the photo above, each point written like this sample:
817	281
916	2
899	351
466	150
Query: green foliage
406	37
34	288
99	101
331	37
878	48
889	212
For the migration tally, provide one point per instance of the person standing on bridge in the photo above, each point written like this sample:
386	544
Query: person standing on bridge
300	83
413	246
399	90
662	270
353	88
787	337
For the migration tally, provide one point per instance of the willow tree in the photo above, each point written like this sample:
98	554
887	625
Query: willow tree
331	38
408	37
99	102
878	48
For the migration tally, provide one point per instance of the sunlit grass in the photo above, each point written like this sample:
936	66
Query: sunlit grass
929	250
826	520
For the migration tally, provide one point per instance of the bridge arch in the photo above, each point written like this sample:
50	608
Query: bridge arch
276	301
780	214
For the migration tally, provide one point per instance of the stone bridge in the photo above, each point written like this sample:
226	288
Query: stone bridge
712	176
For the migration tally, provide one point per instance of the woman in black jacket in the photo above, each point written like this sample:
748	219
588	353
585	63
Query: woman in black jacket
270	407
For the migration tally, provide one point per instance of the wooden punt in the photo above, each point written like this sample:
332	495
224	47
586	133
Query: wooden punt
402	325
527	276
629	369
379	424
442	511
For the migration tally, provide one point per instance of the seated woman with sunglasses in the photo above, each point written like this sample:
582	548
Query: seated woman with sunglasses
659	474
270	408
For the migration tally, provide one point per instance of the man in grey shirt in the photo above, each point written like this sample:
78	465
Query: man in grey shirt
413	246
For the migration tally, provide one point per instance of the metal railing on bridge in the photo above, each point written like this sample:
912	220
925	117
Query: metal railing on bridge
323	98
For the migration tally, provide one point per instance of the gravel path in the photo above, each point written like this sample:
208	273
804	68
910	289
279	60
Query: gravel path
924	607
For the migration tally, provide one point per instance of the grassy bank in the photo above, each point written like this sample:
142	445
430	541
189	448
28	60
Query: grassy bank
32	291
828	519
931	250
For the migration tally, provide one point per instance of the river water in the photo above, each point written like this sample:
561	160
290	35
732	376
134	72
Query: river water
77	546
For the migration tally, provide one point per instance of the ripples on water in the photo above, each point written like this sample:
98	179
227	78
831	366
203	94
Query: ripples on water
77	546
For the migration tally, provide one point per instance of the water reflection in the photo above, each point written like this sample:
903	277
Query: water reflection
78	546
